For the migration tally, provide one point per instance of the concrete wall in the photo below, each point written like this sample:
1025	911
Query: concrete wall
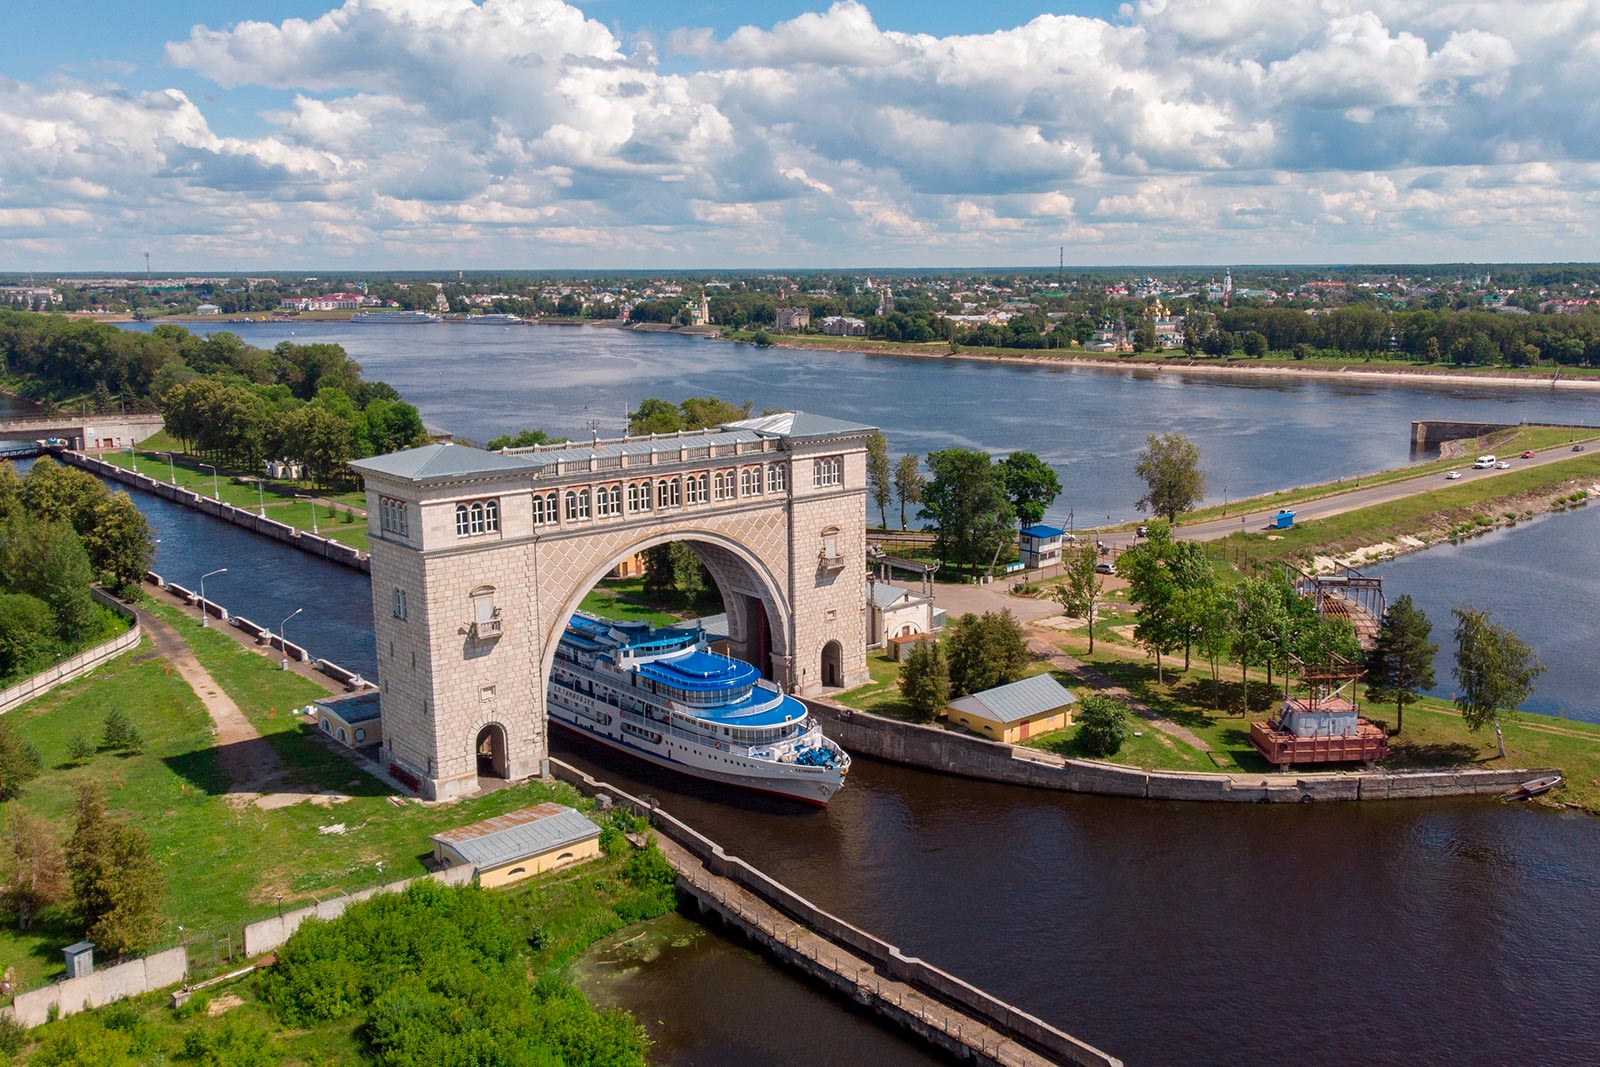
889	959
268	934
936	749
102	987
74	666
311	544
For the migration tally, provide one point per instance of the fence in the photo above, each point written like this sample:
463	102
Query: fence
75	666
102	987
268	934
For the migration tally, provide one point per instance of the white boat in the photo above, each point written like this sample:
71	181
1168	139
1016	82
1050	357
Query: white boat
391	318
662	696
493	320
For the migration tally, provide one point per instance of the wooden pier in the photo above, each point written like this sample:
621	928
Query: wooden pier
939	1007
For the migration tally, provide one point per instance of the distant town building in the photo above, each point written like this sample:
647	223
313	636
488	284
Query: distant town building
208	309
885	302
29	295
698	314
843	326
327	302
794	318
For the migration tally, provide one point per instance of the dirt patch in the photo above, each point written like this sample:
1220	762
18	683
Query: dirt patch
223	1002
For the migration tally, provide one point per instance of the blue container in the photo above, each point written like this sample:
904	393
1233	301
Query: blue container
1285	520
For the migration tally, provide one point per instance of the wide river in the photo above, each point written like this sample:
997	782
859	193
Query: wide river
1460	932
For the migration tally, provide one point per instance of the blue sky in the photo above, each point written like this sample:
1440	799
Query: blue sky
620	133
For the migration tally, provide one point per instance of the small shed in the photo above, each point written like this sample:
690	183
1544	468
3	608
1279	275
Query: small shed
1015	712
1040	546
355	720
894	611
519	844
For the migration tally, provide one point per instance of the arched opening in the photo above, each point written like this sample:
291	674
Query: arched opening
491	751
833	664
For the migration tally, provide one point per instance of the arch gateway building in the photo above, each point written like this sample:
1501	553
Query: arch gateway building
479	559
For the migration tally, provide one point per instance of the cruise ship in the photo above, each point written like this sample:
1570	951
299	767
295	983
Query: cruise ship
662	696
380	317
493	319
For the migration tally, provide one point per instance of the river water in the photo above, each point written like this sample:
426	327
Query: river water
1459	932
1256	434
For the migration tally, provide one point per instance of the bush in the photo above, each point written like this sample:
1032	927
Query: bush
20	762
80	748
1102	725
120	733
235	1042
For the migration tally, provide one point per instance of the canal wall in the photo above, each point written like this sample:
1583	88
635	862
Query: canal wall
936	749
332	551
75	666
1428	434
941	1008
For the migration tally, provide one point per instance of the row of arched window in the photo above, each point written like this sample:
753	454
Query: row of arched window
477	517
392	516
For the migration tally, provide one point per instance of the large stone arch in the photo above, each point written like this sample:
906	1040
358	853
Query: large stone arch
716	550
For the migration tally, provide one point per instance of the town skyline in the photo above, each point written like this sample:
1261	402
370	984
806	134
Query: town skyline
539	135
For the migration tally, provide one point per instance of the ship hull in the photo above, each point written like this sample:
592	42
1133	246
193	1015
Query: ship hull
809	789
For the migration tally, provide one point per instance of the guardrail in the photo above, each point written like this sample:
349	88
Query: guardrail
77	665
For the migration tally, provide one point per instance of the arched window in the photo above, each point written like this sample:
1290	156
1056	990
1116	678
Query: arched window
669	494
463	522
552	512
583	503
602	502
827	470
696	490
538	510
491	516
400	603
616	499
572	505
750	482
477	517
777	479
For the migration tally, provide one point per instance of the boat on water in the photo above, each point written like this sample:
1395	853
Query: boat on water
391	318
493	320
663	696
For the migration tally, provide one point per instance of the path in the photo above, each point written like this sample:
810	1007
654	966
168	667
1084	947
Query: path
1102	683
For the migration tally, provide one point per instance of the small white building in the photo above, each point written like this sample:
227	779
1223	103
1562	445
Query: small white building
843	326
1040	546
894	612
208	309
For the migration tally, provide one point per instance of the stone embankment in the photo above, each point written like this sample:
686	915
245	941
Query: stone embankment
935	1005
332	551
936	749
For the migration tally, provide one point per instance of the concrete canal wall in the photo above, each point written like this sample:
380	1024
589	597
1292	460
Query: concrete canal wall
331	551
938	1006
936	749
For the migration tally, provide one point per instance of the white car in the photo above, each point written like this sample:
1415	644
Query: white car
1453	475
1502	466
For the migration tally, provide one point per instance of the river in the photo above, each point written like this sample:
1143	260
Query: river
1256	434
1459	932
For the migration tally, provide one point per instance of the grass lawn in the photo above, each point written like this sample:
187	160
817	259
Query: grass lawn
277	497
1506	444
1151	749
1472	502
225	866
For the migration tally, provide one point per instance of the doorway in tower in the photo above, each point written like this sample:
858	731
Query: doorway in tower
759	635
491	750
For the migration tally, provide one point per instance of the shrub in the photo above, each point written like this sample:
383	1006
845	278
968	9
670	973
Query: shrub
1102	725
120	733
20	762
235	1042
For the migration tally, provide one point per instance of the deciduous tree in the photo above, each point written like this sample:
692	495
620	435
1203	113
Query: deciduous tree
1153	591
1102	725
880	476
983	651
1169	466
1030	484
1079	592
20	761
908	483
119	545
1495	669
966	500
35	873
1400	665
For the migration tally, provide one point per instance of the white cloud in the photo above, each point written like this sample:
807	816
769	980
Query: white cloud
1183	129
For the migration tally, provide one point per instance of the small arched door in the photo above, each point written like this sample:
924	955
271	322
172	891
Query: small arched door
491	748
833	664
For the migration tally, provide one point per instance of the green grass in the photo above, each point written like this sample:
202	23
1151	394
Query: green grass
276	498
623	598
225	865
1151	749
1456	502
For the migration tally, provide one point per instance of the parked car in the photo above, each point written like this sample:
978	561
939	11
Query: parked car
1502	466
1142	531
1577	448
1528	454
1070	538
1453	475
1105	567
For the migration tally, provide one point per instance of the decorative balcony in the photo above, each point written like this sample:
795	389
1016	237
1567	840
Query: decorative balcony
487	629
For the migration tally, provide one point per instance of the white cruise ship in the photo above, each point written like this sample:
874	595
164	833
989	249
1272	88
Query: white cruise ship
493	319
662	696
371	318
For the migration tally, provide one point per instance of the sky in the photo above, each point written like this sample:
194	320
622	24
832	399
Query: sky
593	134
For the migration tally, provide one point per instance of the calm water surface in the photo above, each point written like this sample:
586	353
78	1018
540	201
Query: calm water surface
1255	434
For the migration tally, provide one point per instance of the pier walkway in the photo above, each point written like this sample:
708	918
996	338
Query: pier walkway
940	1008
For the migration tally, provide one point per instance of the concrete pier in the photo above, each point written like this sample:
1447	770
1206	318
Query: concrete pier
937	1006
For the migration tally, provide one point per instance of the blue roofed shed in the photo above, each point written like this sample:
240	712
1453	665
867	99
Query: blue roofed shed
1040	546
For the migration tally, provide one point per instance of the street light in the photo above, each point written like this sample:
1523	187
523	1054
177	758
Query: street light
261	501
133	457
283	639
313	502
216	494
172	468
203	577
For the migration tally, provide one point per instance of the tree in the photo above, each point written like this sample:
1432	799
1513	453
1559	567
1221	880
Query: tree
983	651
116	883
1153	590
321	439
1031	485
925	680
1400	664
35	877
1255	344
1258	610
120	734
47	560
880	476
28	635
80	748
688	573
1169	466
20	761
1102	725
966	499
1495	669
1080	590
120	546
520	439
908	483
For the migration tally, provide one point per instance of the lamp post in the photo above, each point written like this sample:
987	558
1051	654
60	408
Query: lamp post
172	469
313	502
216	494
203	577
283	639
261	501
133	457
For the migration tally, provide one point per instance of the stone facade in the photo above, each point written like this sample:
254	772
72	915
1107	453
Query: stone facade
468	603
